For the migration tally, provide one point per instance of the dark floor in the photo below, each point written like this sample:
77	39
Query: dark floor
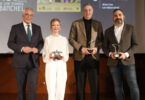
67	97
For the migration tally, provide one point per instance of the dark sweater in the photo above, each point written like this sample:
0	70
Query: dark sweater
88	24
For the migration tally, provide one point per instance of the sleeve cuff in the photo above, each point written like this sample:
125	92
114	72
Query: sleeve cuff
22	49
80	49
109	54
126	54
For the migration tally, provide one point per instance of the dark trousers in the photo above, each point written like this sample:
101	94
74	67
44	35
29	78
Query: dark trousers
130	75
90	66
28	73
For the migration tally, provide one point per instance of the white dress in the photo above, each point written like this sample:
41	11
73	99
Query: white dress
55	70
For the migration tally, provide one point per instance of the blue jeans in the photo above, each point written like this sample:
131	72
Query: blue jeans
130	75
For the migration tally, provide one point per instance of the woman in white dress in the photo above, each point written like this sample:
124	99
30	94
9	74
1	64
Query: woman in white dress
55	55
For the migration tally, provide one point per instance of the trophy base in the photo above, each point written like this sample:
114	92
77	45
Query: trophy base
57	57
117	56
90	51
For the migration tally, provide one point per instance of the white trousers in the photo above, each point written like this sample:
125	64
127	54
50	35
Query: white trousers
56	76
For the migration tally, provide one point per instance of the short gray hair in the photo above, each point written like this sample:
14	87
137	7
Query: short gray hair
87	4
28	9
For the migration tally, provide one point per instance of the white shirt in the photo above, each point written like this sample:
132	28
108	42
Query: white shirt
26	26
118	33
53	43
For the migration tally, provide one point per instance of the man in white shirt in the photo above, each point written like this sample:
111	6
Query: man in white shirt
121	39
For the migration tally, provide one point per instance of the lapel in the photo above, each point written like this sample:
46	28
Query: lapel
93	34
33	32
112	31
82	27
123	33
24	34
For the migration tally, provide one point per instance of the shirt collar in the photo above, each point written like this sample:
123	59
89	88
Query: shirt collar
120	26
25	24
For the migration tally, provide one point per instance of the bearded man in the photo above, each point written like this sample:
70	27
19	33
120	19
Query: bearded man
119	44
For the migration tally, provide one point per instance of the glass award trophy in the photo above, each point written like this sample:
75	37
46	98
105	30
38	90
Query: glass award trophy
89	50
57	55
116	50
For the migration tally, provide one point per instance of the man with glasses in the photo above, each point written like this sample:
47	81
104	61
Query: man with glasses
26	41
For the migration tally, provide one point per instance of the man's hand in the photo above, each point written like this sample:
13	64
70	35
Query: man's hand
34	50
123	56
26	49
112	55
85	51
94	51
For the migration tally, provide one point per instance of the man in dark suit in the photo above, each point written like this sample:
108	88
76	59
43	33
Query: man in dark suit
26	41
86	39
123	37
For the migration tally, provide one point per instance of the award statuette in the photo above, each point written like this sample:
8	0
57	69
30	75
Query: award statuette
57	55
116	48
90	50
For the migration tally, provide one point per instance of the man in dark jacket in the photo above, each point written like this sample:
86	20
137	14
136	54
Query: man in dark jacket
26	41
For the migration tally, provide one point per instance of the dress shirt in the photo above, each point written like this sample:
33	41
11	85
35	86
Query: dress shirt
26	26
118	32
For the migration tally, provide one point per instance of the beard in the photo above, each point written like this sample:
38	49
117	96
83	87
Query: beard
118	21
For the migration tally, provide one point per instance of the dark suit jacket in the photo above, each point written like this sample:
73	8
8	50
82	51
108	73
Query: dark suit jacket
77	38
128	43
18	39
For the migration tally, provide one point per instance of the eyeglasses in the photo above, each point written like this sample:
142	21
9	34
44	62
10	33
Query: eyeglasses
29	15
